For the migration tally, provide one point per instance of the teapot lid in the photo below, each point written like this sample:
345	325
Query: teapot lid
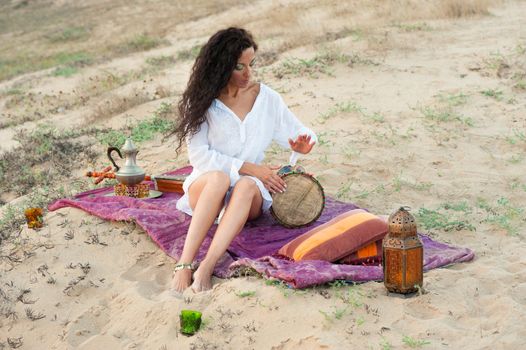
130	167
128	146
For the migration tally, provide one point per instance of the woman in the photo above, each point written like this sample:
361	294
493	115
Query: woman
228	122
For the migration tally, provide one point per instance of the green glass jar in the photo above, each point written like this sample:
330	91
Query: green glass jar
190	321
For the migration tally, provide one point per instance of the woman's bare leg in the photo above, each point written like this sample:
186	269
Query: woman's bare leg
244	204
206	197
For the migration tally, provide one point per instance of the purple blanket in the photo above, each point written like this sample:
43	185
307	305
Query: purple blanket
254	247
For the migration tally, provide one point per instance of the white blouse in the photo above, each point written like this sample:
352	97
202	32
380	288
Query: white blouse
224	142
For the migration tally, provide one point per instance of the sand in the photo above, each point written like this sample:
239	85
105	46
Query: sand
103	285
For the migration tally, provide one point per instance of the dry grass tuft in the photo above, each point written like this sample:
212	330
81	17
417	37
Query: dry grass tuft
102	83
114	104
140	42
162	91
41	156
266	58
21	107
463	8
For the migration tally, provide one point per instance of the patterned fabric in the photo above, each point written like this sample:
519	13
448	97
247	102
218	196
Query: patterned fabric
341	236
254	247
371	254
302	274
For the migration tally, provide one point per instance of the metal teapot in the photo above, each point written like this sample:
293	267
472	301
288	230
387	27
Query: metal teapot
130	174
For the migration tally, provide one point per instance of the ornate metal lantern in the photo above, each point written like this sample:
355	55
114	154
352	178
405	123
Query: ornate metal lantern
403	254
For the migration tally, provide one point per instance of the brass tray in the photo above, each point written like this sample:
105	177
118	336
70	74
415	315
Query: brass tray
152	194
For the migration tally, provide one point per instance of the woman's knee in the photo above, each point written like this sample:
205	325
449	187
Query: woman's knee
219	180
246	186
216	183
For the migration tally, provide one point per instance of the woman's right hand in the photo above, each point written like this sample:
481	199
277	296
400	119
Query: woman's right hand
271	180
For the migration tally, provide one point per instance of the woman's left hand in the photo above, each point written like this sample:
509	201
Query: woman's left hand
302	144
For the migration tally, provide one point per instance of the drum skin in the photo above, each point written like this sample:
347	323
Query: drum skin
301	204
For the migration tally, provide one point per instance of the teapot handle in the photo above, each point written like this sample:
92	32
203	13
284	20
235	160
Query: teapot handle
110	150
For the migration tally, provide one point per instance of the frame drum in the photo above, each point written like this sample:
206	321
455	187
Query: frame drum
301	204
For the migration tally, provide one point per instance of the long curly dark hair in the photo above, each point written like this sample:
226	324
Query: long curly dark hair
210	74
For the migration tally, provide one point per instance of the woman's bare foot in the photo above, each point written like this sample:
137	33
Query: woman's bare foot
181	280
202	278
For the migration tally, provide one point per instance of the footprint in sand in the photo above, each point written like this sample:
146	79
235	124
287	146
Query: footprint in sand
100	342
151	279
143	270
308	343
517	267
422	310
487	286
149	290
86	326
518	293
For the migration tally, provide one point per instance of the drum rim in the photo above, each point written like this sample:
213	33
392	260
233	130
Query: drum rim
274	215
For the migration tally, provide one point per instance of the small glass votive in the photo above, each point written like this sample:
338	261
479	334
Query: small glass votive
34	217
190	321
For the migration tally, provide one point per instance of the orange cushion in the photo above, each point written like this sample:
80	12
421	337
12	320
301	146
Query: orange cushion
341	236
371	254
